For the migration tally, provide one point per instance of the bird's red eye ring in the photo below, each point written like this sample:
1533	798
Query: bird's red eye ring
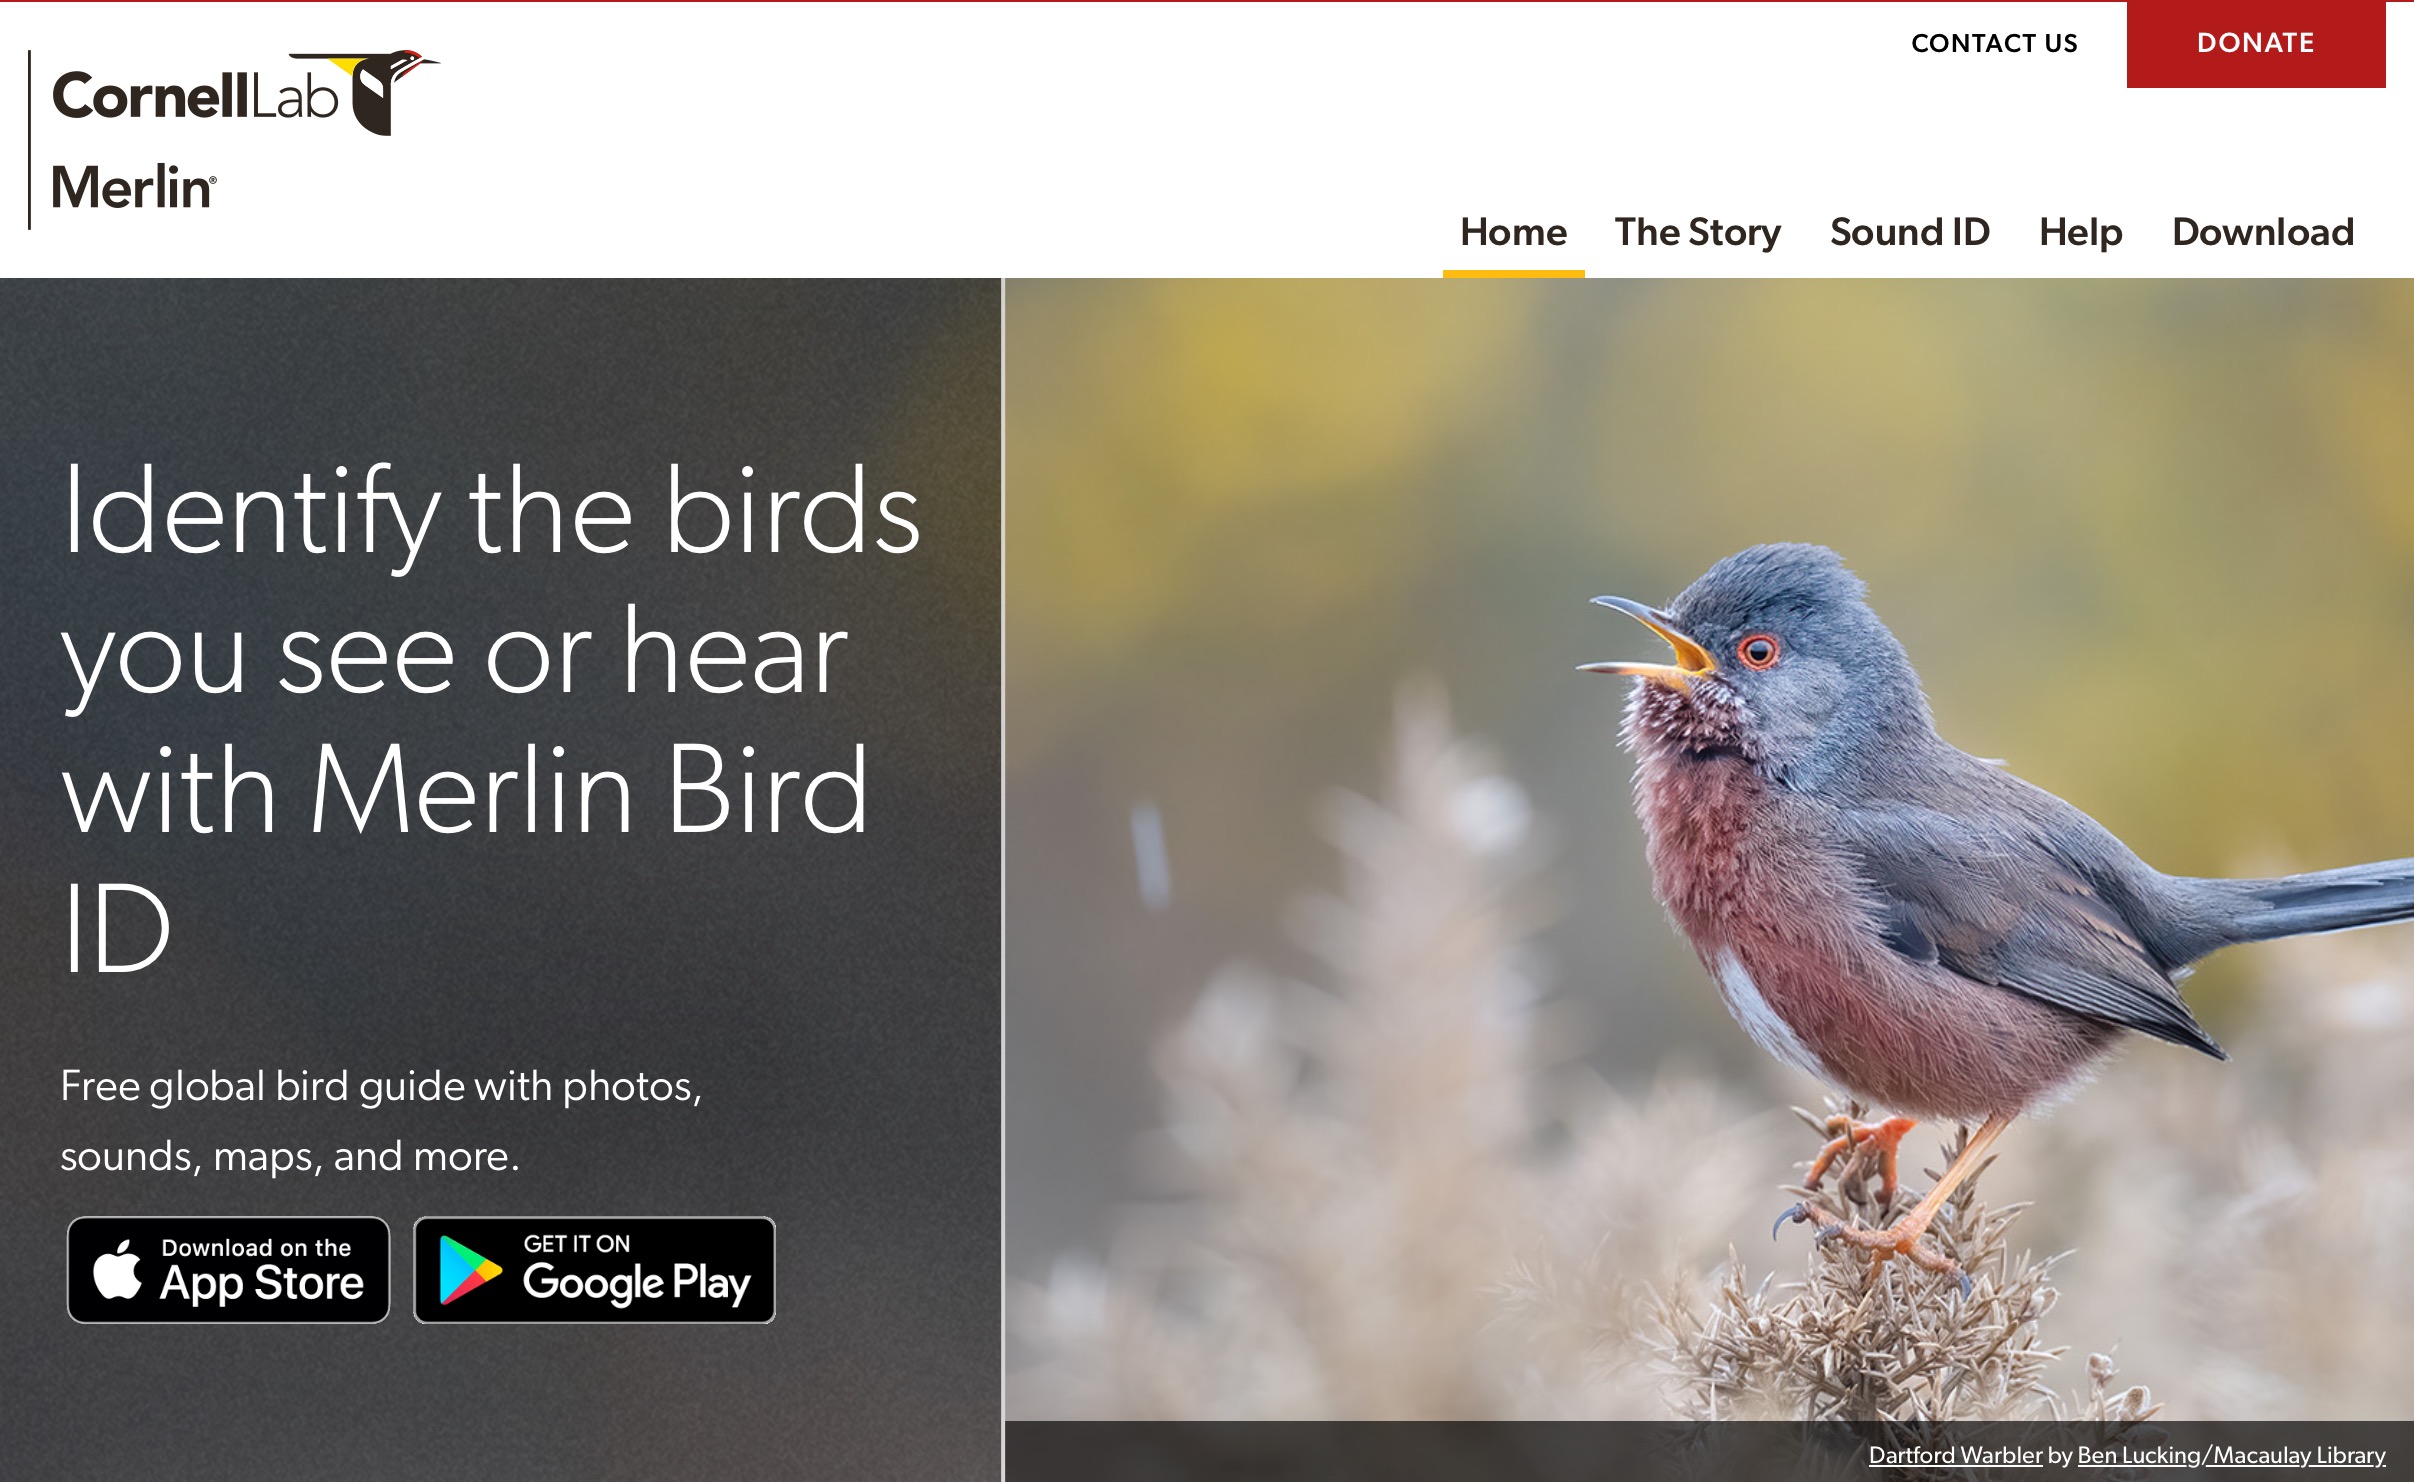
1758	651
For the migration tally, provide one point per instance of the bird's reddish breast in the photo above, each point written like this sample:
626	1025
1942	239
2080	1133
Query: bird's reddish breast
1745	879
1778	919
1772	917
1698	814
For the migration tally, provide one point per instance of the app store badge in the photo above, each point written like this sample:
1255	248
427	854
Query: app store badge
228	1269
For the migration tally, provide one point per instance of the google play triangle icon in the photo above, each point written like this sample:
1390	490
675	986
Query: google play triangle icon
461	1270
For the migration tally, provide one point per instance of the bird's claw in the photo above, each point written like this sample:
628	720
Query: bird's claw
1882	1249
1882	1245
1859	1148
1826	1226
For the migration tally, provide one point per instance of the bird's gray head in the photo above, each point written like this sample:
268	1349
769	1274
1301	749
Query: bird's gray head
1780	660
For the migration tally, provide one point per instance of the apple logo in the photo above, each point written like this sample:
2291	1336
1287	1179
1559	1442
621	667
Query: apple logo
114	1275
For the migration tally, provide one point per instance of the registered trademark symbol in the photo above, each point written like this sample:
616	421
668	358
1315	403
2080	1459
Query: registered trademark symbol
213	180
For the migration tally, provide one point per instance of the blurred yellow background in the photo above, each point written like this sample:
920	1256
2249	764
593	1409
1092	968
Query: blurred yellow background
2152	543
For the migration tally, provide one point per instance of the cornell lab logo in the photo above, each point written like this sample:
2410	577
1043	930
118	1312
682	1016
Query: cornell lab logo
373	77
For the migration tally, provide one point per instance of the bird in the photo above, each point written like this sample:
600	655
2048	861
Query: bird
1913	925
373	77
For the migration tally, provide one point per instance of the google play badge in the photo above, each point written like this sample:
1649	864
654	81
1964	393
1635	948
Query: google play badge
463	1270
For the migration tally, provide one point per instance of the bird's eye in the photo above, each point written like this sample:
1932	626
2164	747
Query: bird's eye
1757	652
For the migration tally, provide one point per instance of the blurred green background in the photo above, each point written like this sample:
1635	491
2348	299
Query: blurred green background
2152	543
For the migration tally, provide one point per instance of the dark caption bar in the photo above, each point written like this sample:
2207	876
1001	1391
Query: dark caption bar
1732	1451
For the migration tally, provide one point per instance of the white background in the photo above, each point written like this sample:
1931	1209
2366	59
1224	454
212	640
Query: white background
996	140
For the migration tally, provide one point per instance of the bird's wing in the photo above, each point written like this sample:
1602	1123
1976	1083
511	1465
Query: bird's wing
1997	904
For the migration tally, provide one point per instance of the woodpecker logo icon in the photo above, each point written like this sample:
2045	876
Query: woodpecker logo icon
373	77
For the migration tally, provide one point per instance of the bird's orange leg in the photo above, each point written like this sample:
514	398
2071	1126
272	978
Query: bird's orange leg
1849	1136
1902	1238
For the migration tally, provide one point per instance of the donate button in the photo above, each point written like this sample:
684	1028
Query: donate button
2258	43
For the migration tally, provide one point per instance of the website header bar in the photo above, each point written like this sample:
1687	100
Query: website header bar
1050	140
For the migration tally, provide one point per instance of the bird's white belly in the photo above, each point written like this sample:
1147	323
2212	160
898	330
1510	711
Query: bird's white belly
1751	1009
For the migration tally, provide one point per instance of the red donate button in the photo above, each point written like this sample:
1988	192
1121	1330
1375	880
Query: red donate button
2258	43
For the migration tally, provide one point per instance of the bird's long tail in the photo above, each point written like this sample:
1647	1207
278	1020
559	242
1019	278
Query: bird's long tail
2324	900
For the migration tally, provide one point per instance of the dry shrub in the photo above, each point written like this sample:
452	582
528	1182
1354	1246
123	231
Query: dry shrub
1865	1340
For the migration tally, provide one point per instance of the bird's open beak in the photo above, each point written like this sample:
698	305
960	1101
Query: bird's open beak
1692	660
